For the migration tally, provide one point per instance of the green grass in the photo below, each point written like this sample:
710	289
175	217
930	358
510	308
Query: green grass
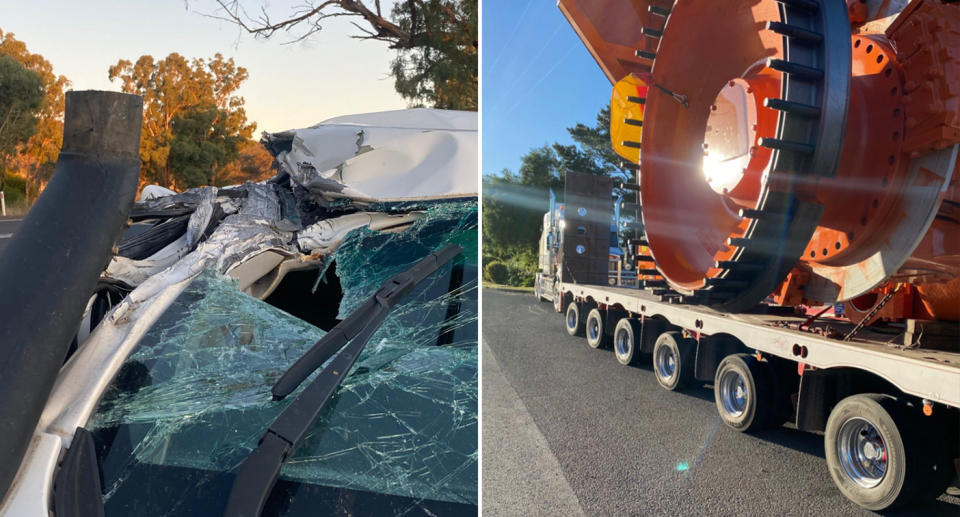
513	288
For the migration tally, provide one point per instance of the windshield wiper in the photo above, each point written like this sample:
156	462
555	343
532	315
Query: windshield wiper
259	471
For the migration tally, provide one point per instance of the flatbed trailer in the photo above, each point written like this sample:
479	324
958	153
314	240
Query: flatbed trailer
890	409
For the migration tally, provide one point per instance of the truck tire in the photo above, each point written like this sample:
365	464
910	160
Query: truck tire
596	336
746	394
626	348
673	360
572	321
881	456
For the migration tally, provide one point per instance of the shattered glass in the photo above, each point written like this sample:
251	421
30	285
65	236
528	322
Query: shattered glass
400	436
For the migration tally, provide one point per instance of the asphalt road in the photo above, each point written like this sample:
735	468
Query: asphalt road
8	226
622	445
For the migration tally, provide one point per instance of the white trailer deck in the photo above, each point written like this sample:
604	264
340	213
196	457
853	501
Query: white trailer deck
923	372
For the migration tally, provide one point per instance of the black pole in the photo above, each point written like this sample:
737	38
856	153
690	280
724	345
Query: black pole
51	265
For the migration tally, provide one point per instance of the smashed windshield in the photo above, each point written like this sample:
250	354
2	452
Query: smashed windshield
400	436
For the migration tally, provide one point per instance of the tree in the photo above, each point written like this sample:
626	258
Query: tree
514	203
21	95
200	145
592	152
193	121
37	157
442	70
253	163
540	168
512	214
436	41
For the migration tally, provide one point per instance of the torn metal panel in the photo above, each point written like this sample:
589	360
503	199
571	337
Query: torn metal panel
135	272
252	228
326	235
201	215
401	434
432	154
261	202
196	393
155	191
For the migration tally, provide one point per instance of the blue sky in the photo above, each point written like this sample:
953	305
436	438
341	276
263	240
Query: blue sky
538	79
290	85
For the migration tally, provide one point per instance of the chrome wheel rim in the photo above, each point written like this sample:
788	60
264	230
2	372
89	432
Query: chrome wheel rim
862	452
593	328
623	342
733	393
666	363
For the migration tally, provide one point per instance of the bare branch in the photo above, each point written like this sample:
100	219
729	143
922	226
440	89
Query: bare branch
310	15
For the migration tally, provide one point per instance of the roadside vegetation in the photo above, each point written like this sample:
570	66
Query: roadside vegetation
195	129
514	202
436	41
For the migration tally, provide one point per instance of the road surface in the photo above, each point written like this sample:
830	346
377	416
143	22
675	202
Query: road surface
8	226
567	428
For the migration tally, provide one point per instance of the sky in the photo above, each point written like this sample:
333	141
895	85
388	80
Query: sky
290	85
538	79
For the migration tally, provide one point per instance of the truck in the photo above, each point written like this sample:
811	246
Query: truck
620	262
797	187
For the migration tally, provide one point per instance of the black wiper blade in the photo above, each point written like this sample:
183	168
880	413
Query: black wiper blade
386	297
258	473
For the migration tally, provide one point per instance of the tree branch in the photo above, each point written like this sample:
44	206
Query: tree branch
311	14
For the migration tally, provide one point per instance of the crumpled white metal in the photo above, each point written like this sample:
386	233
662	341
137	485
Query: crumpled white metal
414	154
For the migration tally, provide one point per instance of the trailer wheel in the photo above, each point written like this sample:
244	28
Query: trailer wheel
596	337
878	455
625	345
673	360
745	393
572	322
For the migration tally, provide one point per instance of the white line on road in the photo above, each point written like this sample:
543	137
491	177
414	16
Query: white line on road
5	235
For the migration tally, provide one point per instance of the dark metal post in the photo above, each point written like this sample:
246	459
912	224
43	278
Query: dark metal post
51	265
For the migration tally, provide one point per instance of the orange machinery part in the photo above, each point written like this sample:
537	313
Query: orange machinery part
926	39
905	101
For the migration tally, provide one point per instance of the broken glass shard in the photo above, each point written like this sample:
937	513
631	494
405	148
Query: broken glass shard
400	437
